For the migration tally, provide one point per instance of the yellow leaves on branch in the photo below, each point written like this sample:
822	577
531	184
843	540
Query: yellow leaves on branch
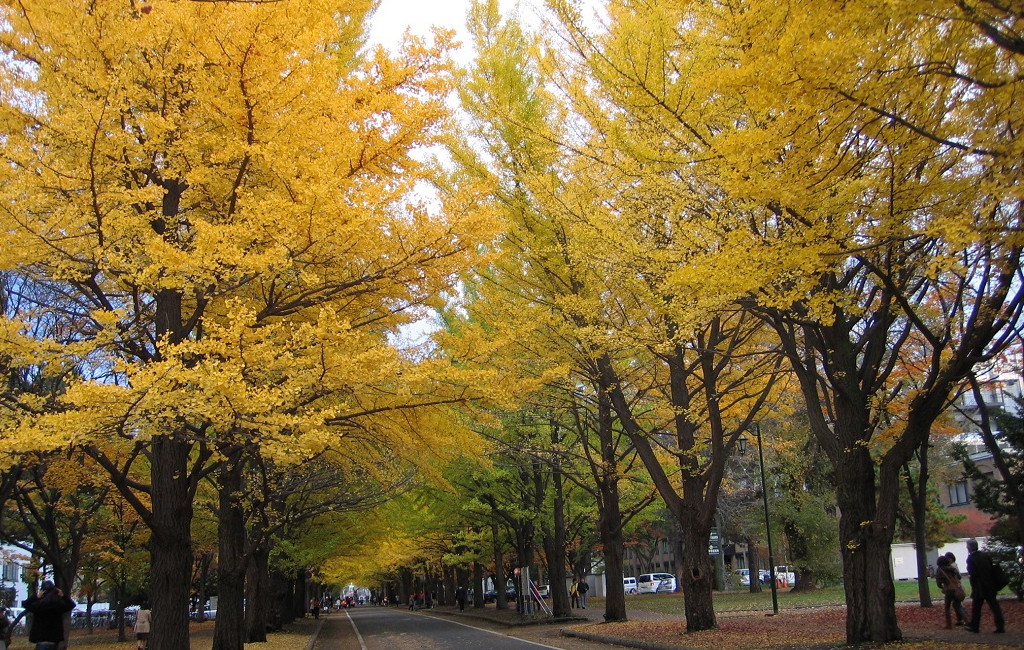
249	165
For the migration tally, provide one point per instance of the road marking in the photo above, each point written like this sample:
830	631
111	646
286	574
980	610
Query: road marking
362	646
480	629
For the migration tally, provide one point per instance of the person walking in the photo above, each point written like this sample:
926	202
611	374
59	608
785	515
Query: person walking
583	589
983	587
947	577
460	597
142	621
574	594
48	608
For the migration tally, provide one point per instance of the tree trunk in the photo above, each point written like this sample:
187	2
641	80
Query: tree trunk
300	603
451	584
257	595
501	599
754	567
170	543
698	577
281	612
919	502
865	545
406	586
478	585
205	561
229	629
554	546
610	511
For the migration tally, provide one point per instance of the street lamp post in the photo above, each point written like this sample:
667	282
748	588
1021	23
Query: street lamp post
767	523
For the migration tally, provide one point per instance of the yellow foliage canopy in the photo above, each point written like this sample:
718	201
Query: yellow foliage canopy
212	205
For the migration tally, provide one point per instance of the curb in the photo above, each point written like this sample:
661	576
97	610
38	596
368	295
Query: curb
316	635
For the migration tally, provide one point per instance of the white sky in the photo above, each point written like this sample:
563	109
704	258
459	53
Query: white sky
394	16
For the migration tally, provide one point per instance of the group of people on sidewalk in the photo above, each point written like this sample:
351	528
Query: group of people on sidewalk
987	579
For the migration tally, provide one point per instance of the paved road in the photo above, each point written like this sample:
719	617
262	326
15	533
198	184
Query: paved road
380	628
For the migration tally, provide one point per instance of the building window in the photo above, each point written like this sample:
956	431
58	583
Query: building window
958	494
10	572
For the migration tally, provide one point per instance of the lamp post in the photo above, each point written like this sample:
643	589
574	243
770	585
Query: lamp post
767	522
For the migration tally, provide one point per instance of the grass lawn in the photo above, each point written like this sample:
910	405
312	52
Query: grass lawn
737	600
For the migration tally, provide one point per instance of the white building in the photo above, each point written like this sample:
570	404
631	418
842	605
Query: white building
13	567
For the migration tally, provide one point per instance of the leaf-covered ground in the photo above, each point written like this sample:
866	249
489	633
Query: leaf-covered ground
294	637
822	627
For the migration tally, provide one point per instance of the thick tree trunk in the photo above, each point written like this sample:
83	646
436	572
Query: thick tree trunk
170	543
698	577
300	603
610	529
229	628
257	596
478	585
865	545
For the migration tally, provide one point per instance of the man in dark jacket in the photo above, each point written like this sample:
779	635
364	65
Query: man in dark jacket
48	608
983	587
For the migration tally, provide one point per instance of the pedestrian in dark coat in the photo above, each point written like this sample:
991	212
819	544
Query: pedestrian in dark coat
48	608
460	598
983	587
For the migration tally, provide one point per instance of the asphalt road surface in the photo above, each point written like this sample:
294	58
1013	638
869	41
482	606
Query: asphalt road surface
380	628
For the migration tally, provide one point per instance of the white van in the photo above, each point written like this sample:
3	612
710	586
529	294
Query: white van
629	585
650	583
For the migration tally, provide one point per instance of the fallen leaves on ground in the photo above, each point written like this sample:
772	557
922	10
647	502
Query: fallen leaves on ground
812	627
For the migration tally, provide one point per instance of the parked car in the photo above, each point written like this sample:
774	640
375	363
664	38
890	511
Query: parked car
666	582
650	583
544	591
743	575
629	585
764	576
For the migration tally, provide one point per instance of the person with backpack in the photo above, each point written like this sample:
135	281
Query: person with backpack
985	578
583	589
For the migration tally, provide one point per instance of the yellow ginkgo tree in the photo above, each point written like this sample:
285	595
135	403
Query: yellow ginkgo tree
859	170
227	208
